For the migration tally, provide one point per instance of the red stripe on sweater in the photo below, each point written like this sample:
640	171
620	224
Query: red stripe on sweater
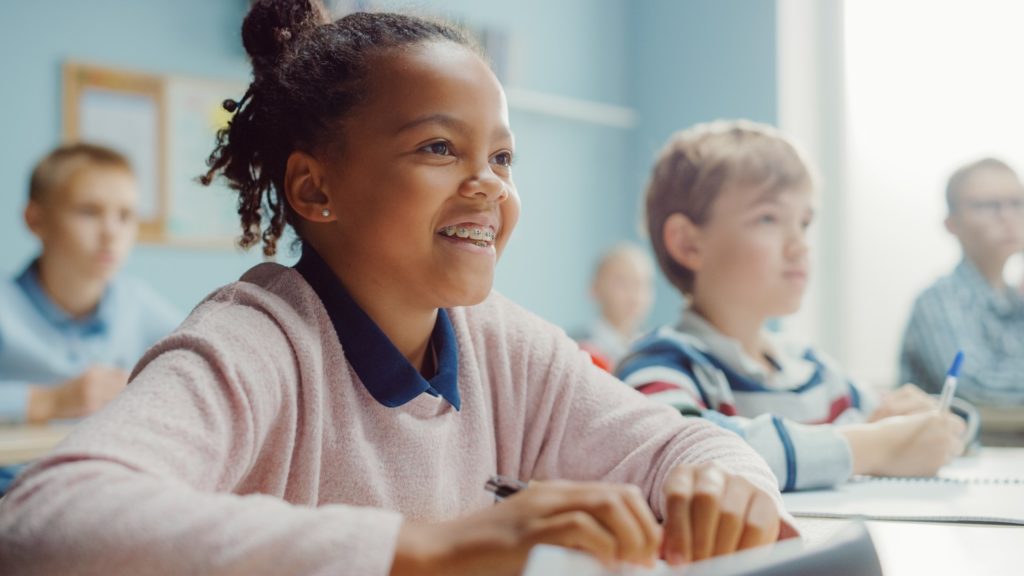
659	386
839	405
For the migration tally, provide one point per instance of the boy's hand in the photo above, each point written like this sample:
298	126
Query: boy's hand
907	399
912	445
611	522
77	397
710	512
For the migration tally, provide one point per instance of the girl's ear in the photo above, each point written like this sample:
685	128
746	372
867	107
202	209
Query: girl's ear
303	178
682	240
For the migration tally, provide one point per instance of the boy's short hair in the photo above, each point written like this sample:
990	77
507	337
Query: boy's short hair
697	163
59	167
960	176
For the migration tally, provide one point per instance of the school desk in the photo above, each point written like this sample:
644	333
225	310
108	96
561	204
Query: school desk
24	443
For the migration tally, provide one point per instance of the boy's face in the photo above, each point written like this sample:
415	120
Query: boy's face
753	250
988	215
89	226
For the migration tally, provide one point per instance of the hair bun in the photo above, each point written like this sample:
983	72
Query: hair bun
272	25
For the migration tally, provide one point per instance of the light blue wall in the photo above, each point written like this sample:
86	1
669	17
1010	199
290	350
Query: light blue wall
196	37
697	60
676	62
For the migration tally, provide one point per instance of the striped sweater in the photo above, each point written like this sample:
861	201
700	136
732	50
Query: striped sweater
786	415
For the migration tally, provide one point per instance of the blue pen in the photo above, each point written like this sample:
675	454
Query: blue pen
949	386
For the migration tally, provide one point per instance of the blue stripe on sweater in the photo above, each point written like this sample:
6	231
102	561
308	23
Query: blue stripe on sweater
854	395
662	353
787	446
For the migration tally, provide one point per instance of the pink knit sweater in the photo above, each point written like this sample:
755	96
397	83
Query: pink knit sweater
245	444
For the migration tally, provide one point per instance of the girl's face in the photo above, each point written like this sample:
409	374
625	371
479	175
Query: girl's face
422	187
754	250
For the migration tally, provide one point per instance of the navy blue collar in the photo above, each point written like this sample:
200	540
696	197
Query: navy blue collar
387	375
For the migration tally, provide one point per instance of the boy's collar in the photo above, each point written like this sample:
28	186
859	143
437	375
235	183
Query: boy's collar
729	351
96	321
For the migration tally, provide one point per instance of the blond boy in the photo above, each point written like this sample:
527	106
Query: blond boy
69	329
728	209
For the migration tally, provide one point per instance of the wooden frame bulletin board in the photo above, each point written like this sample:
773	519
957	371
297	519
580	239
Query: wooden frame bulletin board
125	111
167	126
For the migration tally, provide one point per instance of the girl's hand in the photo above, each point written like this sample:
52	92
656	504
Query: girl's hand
710	512
611	522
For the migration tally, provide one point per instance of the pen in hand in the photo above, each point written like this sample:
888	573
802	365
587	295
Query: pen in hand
504	486
949	386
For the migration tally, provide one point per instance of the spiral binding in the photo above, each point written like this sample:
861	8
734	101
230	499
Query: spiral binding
941	480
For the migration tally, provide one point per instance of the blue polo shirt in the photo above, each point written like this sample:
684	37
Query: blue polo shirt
388	376
42	345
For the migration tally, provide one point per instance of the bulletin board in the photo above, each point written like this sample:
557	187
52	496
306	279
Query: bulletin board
166	125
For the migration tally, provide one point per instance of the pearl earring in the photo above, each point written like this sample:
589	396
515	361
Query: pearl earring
325	213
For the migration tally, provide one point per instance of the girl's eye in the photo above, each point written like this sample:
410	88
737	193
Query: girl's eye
503	159
767	219
439	148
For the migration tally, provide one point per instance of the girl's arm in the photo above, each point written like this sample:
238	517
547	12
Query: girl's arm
144	486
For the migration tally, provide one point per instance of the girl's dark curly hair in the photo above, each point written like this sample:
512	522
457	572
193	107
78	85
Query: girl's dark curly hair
307	74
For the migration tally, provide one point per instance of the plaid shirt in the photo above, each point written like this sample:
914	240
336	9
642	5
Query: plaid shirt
963	312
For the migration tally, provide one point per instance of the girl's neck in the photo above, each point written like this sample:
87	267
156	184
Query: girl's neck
76	296
734	323
407	325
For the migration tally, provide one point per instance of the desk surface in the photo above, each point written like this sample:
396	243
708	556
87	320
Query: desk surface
25	443
914	548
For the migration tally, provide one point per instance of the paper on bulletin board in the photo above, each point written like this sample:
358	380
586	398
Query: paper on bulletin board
128	123
197	214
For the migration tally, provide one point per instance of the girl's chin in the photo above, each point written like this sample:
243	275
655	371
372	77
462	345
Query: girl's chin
470	295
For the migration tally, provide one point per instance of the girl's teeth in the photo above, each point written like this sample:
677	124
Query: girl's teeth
479	236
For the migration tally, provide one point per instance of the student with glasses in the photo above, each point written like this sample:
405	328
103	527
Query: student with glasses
973	309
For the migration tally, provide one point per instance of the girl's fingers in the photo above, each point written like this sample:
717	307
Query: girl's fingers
709	488
637	504
621	510
762	522
732	514
580	531
678	542
615	515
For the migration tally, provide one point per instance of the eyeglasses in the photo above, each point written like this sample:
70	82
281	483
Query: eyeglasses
992	208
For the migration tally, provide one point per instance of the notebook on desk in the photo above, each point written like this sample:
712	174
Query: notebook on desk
983	489
850	552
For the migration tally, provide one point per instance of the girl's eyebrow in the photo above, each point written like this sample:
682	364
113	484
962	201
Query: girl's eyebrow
440	118
450	122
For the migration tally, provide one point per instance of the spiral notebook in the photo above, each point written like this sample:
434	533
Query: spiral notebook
983	489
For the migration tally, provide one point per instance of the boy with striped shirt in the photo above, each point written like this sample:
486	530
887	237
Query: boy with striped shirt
728	207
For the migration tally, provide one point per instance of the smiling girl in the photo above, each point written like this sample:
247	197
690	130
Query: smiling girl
342	416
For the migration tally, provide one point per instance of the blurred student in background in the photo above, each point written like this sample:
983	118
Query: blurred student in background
728	209
69	328
623	288
973	309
